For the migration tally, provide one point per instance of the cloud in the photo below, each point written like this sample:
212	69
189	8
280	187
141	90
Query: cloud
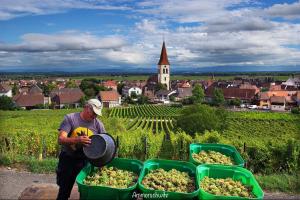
197	34
11	9
234	24
188	10
288	11
73	40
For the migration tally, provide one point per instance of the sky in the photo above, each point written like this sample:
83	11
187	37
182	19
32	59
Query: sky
128	34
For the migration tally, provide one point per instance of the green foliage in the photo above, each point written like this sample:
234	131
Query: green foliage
211	137
47	88
235	102
198	118
89	92
133	95
160	86
91	87
218	97
295	110
280	182
272	139
120	87
71	84
47	165
14	89
180	143
198	94
6	103
142	100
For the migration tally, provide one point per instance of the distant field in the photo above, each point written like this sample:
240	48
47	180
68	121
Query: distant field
174	77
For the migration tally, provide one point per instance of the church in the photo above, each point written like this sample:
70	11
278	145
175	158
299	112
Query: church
158	86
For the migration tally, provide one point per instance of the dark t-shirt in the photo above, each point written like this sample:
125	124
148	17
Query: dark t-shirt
75	126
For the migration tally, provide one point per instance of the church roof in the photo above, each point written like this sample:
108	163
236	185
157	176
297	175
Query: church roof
163	56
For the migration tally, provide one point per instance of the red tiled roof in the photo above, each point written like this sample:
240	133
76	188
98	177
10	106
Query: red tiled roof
264	96
275	87
4	88
163	56
109	96
28	99
229	93
110	84
67	95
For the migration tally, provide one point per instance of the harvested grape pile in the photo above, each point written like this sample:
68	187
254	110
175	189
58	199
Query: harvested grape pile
111	177
212	157
226	187
172	181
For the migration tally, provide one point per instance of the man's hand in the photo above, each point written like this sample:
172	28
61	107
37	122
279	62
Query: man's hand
85	140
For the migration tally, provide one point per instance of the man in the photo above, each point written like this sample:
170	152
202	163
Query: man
74	133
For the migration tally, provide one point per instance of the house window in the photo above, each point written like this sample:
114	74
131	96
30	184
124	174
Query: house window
165	78
166	71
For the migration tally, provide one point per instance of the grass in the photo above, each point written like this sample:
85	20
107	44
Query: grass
47	165
287	183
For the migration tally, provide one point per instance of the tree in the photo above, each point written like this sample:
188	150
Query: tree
71	84
198	94
235	102
120	87
198	118
82	100
90	92
6	103
218	97
143	99
47	88
14	89
160	86
172	98
133	95
89	86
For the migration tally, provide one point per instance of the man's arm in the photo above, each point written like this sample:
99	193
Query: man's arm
64	139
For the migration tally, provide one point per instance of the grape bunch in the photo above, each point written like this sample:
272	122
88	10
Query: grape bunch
111	177
226	187
212	157
172	181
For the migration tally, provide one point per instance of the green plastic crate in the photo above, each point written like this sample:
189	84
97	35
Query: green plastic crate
168	165
223	171
227	150
108	193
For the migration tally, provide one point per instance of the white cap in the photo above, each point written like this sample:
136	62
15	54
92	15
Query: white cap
96	105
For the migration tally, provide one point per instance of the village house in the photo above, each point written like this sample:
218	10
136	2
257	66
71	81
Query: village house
245	95
110	99
5	90
292	83
66	97
111	84
277	103
129	90
266	99
163	96
31	98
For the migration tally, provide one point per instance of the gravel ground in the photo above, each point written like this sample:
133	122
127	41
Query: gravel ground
13	182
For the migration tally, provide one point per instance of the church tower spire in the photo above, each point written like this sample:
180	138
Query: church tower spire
164	67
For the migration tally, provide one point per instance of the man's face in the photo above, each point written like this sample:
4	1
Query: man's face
90	114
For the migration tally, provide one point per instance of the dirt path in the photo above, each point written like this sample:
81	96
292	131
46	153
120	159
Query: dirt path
13	182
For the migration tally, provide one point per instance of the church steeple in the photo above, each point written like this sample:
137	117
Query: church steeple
163	56
164	68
